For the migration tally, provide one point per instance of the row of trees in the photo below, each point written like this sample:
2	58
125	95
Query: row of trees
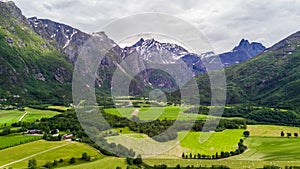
253	113
282	134
32	163
241	148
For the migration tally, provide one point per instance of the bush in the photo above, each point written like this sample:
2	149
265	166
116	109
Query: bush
72	160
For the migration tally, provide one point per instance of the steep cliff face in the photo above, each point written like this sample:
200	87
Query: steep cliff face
66	38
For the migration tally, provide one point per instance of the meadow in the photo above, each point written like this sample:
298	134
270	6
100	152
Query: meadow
105	163
61	108
226	141
34	114
7	117
12	140
232	163
271	130
161	113
44	151
271	149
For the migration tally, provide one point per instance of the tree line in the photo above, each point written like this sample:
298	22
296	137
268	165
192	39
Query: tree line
254	114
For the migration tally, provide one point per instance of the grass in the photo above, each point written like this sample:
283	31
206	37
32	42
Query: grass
9	116
12	140
233	164
152	113
105	163
187	142
266	148
34	114
125	130
271	149
62	108
271	130
44	151
217	141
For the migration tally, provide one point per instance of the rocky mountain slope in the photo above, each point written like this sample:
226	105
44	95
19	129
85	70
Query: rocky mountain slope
31	69
241	53
271	78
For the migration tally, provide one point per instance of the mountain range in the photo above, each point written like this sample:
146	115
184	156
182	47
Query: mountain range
38	56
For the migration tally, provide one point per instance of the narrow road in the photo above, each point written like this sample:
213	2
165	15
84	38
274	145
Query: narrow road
21	118
135	112
28	157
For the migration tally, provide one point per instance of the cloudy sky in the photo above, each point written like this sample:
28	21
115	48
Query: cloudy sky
224	22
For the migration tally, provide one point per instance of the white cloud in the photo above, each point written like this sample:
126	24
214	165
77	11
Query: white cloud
223	22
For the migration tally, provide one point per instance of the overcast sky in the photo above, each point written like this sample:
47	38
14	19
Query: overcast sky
224	22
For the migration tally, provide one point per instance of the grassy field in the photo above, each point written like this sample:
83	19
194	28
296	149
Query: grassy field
271	130
233	164
12	140
217	142
152	113
34	114
169	113
44	151
10	116
105	163
63	108
266	147
271	149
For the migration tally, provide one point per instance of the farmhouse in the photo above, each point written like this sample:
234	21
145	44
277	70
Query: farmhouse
35	131
68	136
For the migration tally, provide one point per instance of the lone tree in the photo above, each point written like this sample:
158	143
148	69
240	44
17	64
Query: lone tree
138	160
32	164
282	134
72	160
246	133
84	156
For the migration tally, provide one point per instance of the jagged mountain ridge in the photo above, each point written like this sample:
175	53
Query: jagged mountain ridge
62	40
64	37
241	53
271	78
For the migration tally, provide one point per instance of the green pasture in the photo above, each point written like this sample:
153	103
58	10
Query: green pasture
61	108
10	116
105	163
232	163
271	130
34	114
271	149
12	140
215	143
44	151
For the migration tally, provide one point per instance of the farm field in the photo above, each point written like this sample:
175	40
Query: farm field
43	151
169	113
62	108
105	163
188	142
217	141
10	116
232	163
34	114
271	130
12	140
271	149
